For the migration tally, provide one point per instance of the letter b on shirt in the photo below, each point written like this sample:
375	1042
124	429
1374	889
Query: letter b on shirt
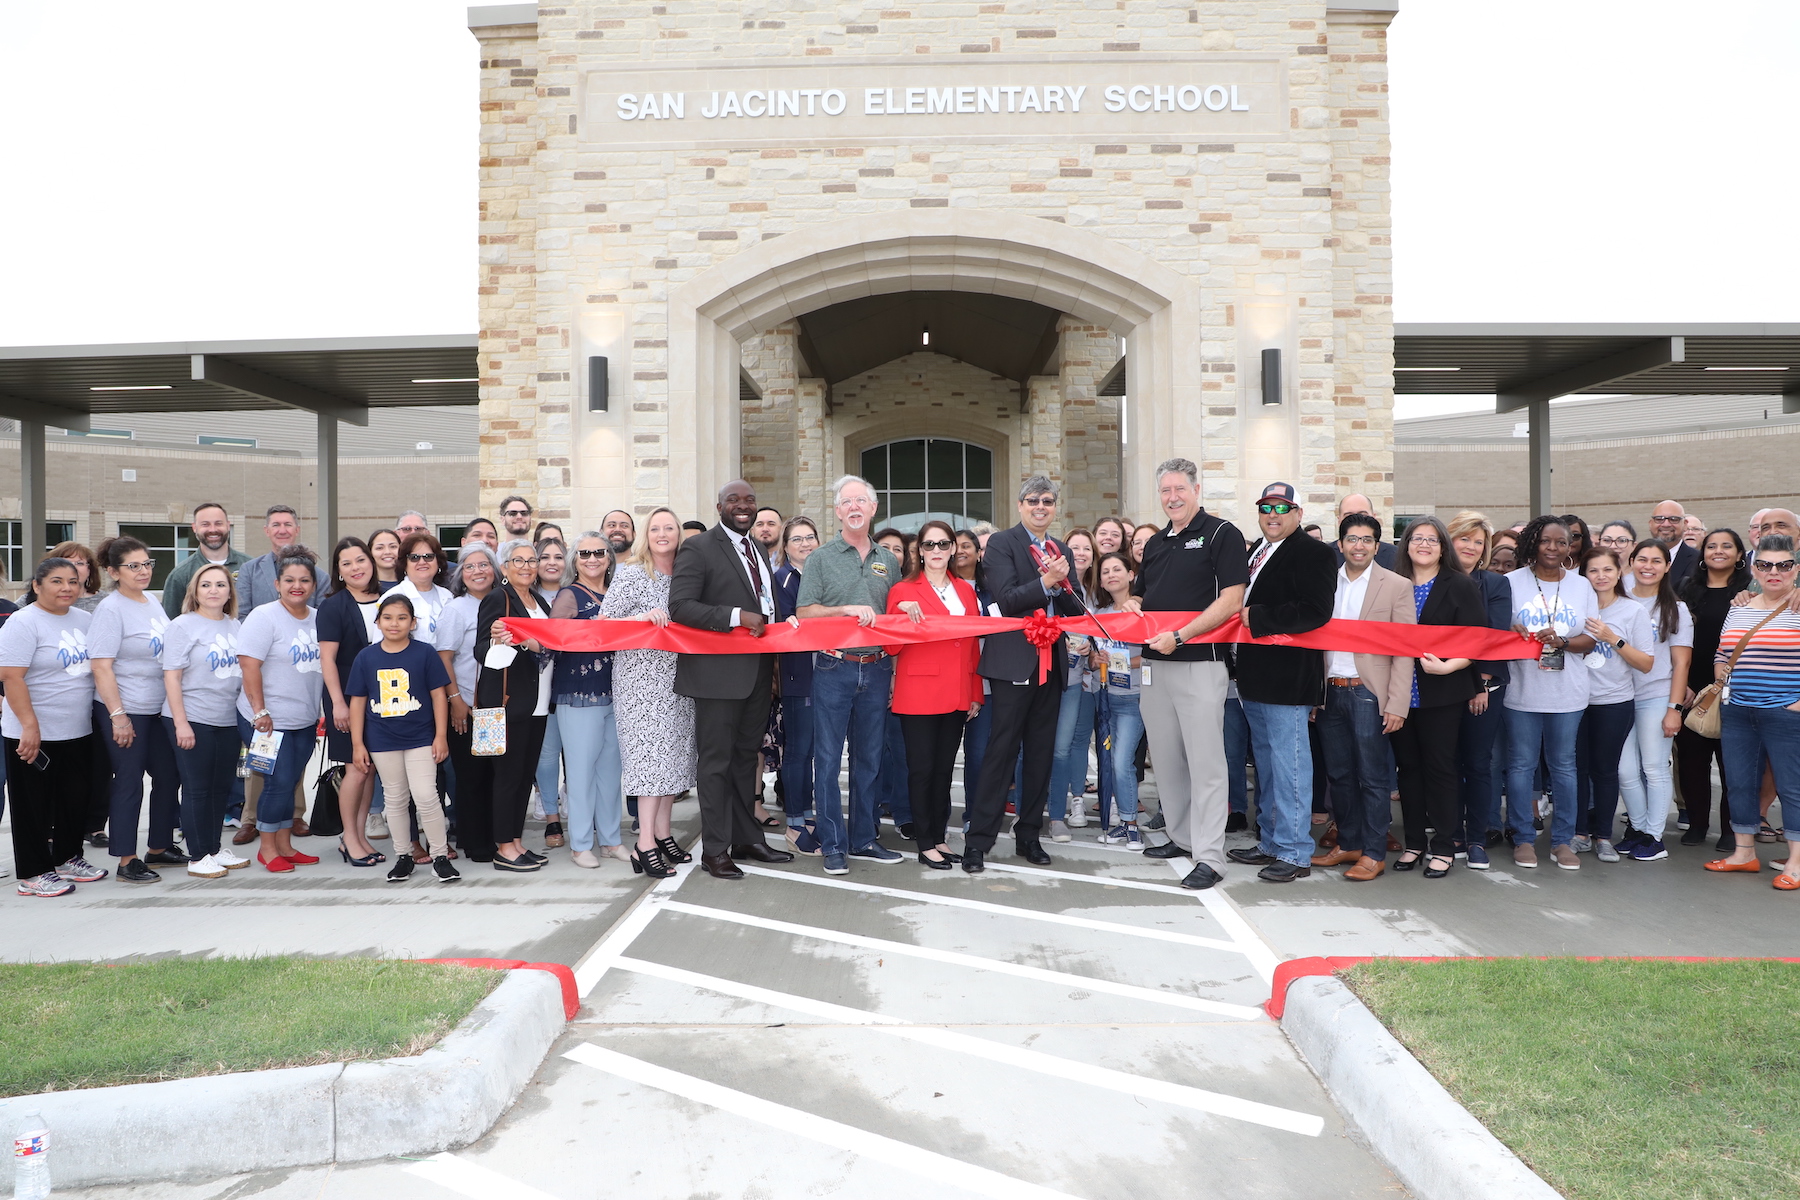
396	698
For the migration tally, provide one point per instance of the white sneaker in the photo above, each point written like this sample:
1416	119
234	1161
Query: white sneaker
5	871
377	827
205	868
230	861
1078	818
233	823
1059	832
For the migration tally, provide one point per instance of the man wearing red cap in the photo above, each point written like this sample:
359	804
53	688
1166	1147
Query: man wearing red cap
1293	586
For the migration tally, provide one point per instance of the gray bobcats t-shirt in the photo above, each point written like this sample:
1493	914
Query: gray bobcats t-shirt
130	632
205	652
292	678
54	651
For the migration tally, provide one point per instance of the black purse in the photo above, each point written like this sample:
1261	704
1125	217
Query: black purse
327	818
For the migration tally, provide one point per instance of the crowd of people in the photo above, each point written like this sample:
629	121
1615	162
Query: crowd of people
1661	656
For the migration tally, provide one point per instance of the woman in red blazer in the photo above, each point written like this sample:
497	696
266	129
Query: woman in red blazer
936	688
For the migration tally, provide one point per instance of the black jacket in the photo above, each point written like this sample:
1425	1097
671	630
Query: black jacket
1496	593
1455	600
1681	567
711	580
1011	579
518	684
796	668
1293	593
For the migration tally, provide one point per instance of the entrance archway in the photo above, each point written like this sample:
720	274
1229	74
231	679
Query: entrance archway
916	479
1082	274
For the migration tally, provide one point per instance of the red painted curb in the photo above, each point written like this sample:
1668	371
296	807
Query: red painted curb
564	976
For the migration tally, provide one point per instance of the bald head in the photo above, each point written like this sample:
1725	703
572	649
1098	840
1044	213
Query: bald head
737	505
1668	521
1355	502
1781	521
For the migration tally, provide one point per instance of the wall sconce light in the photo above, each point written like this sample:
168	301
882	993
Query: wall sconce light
1271	376
925	336
597	383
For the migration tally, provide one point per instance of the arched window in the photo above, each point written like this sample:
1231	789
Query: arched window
921	478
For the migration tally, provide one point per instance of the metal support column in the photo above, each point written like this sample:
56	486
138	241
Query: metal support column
32	513
328	483
1537	413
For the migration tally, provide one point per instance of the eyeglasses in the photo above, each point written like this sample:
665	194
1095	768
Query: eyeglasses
136	566
516	512
1039	502
521	562
1780	568
1617	543
1363	540
1280	509
801	539
1423	541
421	558
1667	520
936	544
590	554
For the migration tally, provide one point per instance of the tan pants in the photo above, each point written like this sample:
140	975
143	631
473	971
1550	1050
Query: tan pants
1183	707
253	787
410	777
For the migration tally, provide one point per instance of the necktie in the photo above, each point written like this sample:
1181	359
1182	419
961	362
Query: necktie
1260	555
755	571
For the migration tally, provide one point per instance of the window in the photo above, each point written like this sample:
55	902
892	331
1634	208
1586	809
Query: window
242	443
11	537
922	478
450	538
169	544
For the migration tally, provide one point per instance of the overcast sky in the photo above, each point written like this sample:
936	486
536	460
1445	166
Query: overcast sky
229	170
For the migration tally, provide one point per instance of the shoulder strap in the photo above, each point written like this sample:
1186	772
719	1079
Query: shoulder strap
1745	640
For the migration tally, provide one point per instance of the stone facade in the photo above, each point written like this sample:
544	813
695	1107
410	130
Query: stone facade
683	252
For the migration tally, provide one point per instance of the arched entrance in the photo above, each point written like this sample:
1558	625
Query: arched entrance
1086	276
917	479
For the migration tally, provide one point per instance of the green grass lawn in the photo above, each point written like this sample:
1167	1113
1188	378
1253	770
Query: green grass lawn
76	1025
1627	1080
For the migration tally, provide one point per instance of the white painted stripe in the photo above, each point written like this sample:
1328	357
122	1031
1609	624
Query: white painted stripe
999	966
618	939
1161	935
1230	917
473	1180
937	1169
1102	880
1199	1099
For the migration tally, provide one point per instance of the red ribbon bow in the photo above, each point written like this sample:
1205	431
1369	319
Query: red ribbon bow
1042	630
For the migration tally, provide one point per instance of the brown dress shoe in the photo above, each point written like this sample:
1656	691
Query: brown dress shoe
1329	839
301	828
1365	869
720	866
1336	858
245	835
1393	844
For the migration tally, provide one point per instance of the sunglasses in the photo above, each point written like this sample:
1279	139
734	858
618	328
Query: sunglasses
1782	567
516	512
1280	510
1667	520
590	554
936	545
1040	501
421	558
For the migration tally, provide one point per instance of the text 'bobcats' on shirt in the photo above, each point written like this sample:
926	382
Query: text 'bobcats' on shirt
399	687
54	652
292	678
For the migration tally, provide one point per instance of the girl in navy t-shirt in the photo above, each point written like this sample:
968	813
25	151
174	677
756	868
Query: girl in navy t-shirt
399	720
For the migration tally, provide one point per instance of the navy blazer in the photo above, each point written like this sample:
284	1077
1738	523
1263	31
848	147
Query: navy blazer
1496	595
796	669
1455	600
1011	578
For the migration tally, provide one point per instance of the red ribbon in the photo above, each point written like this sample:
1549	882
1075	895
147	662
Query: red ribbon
895	632
1042	630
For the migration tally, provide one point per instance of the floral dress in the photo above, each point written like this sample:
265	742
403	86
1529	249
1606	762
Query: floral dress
656	727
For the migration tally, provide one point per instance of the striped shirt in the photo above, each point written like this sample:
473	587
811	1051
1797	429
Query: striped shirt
1767	674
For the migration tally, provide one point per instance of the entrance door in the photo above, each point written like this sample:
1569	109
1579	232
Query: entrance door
921	478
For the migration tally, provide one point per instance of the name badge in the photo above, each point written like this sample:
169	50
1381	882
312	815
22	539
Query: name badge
1144	675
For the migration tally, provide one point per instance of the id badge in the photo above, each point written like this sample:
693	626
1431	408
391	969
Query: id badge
1144	678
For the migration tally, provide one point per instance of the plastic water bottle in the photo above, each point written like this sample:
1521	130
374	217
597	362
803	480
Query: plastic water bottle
243	767
31	1157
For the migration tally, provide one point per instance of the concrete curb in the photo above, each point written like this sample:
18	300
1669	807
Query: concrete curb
1439	1151
198	1129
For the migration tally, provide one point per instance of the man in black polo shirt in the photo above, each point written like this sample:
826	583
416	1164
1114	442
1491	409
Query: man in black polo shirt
1198	562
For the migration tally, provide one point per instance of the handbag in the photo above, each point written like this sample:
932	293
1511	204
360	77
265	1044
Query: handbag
1703	716
487	726
327	818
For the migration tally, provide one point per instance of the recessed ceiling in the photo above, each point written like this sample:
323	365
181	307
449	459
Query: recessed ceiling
1010	338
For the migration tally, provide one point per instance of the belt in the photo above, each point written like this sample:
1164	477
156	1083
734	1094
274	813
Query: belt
1339	681
847	656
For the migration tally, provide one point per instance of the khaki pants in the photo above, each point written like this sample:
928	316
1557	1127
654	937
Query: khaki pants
410	777
1183	707
253	787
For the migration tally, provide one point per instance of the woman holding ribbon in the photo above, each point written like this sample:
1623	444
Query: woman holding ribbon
515	677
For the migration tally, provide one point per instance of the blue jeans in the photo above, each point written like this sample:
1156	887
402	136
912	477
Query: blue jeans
549	767
850	702
1598	748
207	773
797	758
1237	755
1356	761
893	789
1646	782
275	807
1747	737
1283	779
1551	736
1127	732
1476	765
1068	767
596	792
152	752
975	740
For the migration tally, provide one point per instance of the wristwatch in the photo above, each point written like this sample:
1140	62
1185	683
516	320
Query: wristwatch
1619	645
1178	638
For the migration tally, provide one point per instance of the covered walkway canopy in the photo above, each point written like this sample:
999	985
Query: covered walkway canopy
336	379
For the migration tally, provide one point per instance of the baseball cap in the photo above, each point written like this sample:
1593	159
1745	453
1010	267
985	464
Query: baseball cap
1278	491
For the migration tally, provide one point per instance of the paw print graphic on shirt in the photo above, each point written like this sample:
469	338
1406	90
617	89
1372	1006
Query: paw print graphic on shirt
158	623
221	658
303	652
72	652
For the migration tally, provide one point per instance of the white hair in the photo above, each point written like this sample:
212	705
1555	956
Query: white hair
837	489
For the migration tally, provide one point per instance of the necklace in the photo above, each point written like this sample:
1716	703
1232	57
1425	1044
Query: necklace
1550	605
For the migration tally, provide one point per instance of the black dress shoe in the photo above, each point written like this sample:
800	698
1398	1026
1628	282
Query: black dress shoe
1166	850
949	857
1200	878
134	871
1156	822
758	852
1693	837
1432	872
1283	872
1033	852
1408	864
172	857
974	861
1236	823
98	838
936	864
720	866
1250	858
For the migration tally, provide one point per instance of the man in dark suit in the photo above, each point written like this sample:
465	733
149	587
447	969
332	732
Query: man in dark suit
1293	587
1668	525
1025	570
723	582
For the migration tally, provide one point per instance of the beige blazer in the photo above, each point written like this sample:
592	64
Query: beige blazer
1387	598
